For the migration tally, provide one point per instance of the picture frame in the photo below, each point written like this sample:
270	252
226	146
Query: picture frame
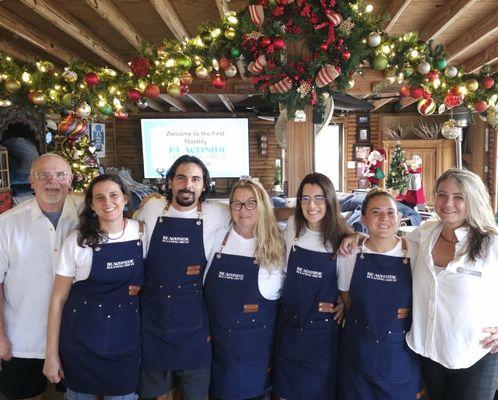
361	151
363	119
363	134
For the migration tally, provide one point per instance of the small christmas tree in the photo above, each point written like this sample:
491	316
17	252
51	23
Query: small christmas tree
397	177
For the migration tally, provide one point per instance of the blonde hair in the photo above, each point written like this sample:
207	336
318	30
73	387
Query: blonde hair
269	243
480	217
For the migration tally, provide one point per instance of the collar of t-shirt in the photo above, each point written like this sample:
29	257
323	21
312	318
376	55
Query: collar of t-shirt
53	217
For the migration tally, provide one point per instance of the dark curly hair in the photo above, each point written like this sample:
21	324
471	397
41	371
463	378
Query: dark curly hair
90	234
186	159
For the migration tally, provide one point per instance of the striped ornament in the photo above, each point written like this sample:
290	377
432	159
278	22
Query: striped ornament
257	66
326	75
281	86
257	14
334	17
72	128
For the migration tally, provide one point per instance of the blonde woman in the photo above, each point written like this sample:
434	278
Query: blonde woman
242	286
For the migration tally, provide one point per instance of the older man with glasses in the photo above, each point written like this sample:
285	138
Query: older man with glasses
30	238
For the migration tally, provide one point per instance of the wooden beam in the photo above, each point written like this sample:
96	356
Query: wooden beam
449	13
175	102
395	10
222	7
155	105
232	86
114	17
74	28
382	102
199	101
488	56
21	28
227	102
170	18
8	48
485	28
407	101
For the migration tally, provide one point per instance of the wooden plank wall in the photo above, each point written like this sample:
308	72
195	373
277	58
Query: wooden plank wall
125	146
350	175
491	161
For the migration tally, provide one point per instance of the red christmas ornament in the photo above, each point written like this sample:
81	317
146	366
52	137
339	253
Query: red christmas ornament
266	41
453	98
218	82
278	43
417	92
427	94
152	90
404	91
488	82
186	78
324	46
134	94
121	115
184	89
224	63
432	75
30	95
92	79
480	106
345	55
140	66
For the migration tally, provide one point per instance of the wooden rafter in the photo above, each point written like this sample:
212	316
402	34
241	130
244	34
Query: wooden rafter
114	17
227	102
199	101
488	56
170	18
485	28
395	10
174	101
451	11
155	105
74	28
222	7
8	48
382	102
407	101
16	25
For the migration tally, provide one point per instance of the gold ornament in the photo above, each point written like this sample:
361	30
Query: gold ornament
39	98
12	85
70	76
201	72
230	33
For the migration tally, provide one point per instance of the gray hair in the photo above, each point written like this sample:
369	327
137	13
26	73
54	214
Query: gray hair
45	155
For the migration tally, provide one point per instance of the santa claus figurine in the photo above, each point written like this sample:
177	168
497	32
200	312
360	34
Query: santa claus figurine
415	190
374	167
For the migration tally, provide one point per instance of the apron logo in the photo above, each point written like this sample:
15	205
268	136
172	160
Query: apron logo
176	239
251	308
231	276
193	270
308	272
382	277
120	264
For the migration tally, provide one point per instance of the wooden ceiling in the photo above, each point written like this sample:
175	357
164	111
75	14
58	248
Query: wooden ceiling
108	32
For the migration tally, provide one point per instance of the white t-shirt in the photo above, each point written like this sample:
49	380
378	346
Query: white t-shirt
451	308
346	264
309	240
29	249
215	217
269	282
76	261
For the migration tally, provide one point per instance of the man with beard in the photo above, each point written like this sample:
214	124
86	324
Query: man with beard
31	236
175	336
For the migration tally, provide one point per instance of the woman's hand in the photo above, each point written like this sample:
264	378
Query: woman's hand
338	310
349	244
5	348
134	290
491	342
52	368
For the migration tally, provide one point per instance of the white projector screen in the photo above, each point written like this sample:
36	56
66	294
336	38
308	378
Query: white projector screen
221	143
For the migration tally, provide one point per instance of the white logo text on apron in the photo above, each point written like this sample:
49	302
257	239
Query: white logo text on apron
176	239
382	277
120	264
230	275
308	272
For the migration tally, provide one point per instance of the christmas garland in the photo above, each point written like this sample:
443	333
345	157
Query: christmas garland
296	52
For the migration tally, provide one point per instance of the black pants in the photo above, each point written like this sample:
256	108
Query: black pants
477	382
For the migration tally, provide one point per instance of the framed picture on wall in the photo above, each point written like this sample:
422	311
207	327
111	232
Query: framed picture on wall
361	151
363	134
363	119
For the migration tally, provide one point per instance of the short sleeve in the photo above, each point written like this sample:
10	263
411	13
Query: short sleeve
345	268
66	265
4	254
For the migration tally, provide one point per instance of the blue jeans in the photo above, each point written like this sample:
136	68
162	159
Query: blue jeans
70	395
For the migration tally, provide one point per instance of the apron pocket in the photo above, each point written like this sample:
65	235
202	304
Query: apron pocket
320	343
123	334
249	343
87	332
184	313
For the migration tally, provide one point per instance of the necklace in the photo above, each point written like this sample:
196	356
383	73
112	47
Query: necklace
125	221
447	240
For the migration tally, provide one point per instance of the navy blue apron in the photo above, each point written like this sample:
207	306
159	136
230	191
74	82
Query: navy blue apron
175	327
242	327
100	330
376	361
307	336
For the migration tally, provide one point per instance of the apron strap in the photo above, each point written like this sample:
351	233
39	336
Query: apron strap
168	204
404	247
361	243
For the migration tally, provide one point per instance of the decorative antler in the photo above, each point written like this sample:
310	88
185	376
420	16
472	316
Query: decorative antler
395	132
426	131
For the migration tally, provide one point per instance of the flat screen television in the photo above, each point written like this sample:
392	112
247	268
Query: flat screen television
221	143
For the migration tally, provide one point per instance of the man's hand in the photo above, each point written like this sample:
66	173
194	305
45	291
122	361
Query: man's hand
5	348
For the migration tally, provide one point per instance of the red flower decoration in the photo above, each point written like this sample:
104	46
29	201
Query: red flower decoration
140	67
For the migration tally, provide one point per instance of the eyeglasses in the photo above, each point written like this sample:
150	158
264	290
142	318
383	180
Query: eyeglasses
318	199
249	205
45	175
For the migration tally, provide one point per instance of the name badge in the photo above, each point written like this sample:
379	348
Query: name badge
193	270
251	308
325	307
403	313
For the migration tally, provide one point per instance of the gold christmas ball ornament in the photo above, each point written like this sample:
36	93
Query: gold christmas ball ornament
472	85
70	76
230	33
38	98
12	85
201	72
